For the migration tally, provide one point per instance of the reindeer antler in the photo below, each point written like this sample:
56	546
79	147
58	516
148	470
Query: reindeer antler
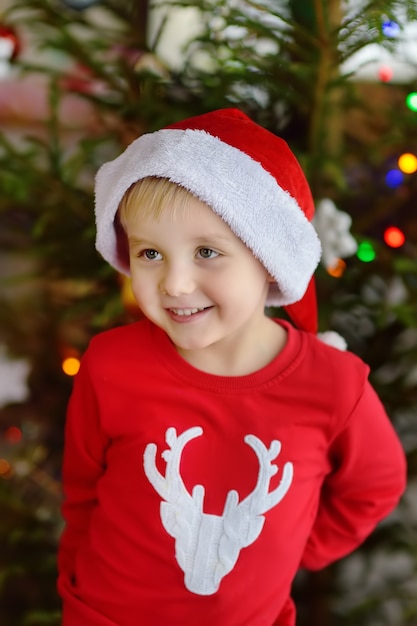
171	487
207	546
260	501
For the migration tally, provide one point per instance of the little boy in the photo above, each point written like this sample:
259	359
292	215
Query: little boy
211	451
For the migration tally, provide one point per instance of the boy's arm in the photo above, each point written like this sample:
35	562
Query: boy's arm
368	479
83	464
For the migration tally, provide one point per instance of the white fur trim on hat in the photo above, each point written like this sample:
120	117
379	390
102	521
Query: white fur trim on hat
263	215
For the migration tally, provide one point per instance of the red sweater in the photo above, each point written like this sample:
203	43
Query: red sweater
193	498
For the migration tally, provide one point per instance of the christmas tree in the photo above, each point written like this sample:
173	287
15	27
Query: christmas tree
87	78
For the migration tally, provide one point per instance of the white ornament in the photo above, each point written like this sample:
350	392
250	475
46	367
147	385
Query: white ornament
333	227
13	379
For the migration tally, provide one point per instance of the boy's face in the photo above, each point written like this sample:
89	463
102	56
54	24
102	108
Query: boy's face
196	280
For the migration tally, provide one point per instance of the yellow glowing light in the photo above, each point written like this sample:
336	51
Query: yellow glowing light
337	269
5	468
408	163
127	294
70	366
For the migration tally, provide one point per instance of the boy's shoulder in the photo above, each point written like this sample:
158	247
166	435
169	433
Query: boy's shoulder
321	357
342	369
121	339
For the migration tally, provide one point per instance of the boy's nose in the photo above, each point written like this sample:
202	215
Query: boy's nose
177	281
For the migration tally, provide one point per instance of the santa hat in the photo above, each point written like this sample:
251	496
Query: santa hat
248	176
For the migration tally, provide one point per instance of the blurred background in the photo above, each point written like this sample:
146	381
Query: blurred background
80	79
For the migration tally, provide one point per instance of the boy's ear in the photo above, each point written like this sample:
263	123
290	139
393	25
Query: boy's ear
271	279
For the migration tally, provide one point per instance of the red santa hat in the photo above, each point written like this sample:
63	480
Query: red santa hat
248	176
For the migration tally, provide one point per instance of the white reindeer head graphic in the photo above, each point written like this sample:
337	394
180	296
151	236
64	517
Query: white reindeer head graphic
207	546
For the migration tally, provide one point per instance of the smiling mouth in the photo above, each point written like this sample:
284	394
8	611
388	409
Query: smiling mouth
188	312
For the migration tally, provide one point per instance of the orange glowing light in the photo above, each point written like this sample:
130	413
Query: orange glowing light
5	468
70	366
394	237
338	269
408	163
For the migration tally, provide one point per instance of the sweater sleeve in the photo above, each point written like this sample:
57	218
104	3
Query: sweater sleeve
83	464
367	481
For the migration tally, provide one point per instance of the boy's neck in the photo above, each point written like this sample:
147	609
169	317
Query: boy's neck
240	358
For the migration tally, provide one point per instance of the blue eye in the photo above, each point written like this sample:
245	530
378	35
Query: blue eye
207	253
151	255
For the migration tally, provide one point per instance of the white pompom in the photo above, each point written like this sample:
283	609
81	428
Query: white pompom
333	229
331	338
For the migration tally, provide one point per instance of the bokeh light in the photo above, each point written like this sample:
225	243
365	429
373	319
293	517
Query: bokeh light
394	178
366	252
408	163
411	101
390	28
13	434
70	366
394	237
385	73
6	470
337	269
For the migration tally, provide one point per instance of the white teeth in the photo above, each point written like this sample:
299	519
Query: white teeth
186	311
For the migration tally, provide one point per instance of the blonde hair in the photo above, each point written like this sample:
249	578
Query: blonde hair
148	197
151	197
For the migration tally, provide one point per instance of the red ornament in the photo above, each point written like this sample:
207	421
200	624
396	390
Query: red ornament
13	434
9	34
78	79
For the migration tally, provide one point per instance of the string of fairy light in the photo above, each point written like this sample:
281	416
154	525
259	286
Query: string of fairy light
406	165
393	235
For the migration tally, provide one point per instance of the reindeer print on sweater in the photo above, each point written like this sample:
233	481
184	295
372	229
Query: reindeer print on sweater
207	547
